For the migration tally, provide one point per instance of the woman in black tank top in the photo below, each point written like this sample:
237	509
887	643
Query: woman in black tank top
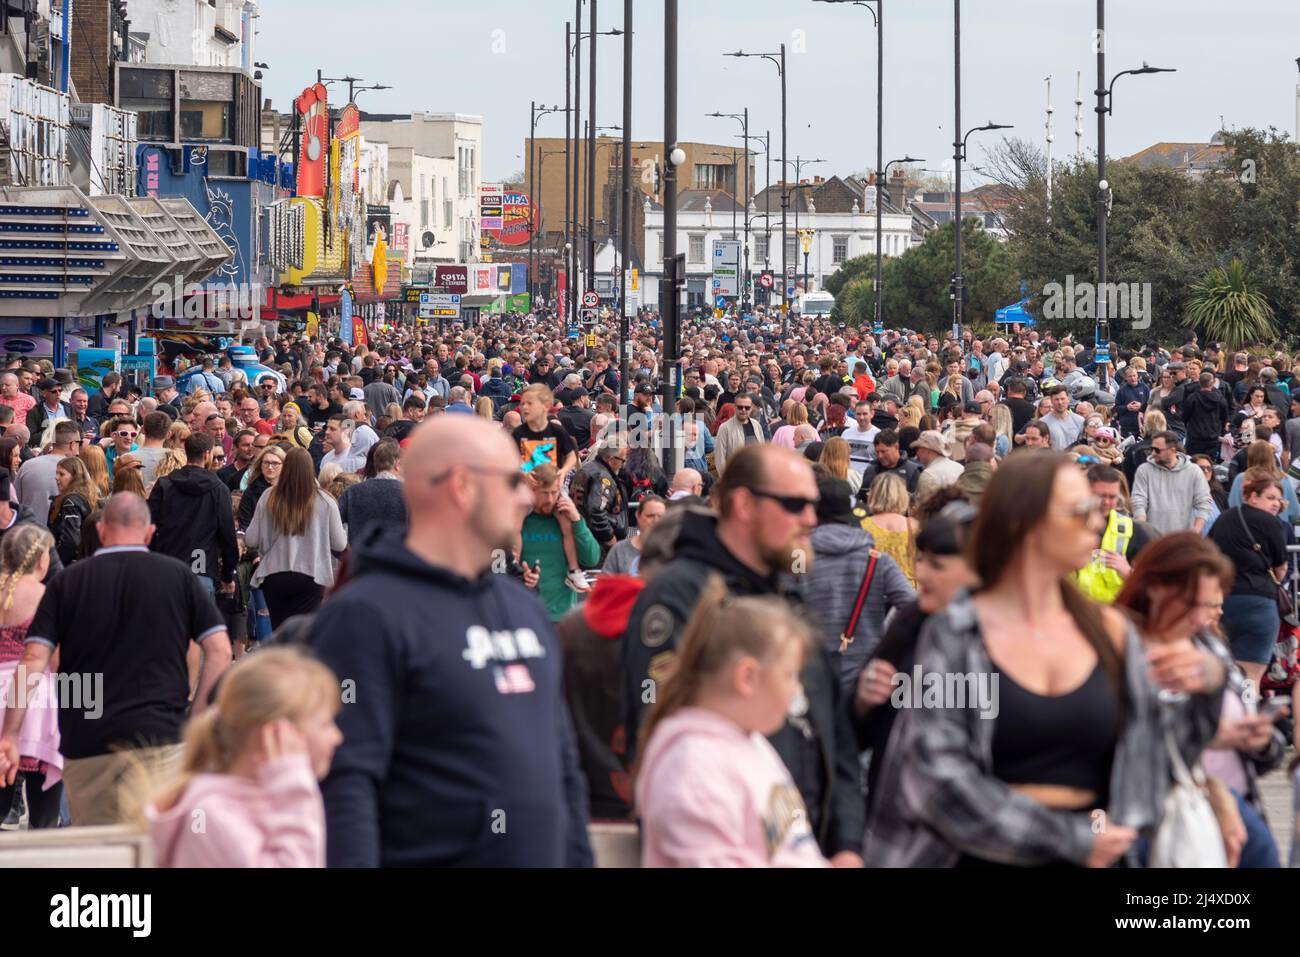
1073	728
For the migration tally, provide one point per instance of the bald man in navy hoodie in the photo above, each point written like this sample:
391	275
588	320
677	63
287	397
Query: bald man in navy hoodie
457	746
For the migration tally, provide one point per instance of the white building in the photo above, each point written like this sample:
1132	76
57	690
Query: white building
422	195
196	32
436	157
838	214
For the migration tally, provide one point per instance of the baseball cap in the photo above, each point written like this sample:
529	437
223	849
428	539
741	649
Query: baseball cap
48	384
645	388
357	394
932	440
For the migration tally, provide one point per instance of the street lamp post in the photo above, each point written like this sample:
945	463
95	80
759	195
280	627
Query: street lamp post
779	60
669	294
625	214
799	164
878	326
537	210
743	120
589	137
958	155
535	113
878	18
1101	337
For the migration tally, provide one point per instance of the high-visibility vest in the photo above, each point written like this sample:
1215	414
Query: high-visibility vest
1096	579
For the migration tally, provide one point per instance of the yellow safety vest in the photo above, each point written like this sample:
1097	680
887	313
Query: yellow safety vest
1095	579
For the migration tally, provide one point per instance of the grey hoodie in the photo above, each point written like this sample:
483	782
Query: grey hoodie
840	556
1171	499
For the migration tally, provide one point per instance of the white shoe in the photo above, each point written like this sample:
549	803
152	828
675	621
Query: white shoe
577	581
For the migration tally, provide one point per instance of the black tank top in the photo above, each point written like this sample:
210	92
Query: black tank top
1067	740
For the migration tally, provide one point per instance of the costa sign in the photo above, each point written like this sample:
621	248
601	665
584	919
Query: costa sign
451	278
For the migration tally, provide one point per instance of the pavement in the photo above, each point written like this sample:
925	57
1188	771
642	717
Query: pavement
1275	789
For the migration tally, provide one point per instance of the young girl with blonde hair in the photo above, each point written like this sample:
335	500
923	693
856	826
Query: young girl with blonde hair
247	794
37	790
710	789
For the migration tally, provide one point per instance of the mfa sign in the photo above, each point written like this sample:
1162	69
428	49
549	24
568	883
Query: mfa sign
438	305
726	267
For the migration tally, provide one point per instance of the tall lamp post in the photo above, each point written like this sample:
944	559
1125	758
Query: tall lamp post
537	210
743	120
670	295
577	37
625	211
878	18
958	281
878	326
799	163
1101	338
533	151
779	60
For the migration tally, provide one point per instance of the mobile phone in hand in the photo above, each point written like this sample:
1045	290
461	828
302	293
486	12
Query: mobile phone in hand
1275	706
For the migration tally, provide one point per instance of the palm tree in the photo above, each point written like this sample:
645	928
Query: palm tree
1227	306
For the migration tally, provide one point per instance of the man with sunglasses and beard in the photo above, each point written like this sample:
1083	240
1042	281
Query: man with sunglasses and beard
458	749
766	498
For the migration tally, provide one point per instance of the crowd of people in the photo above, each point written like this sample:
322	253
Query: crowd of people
845	599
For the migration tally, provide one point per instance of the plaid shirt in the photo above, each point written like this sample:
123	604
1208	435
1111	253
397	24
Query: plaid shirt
938	798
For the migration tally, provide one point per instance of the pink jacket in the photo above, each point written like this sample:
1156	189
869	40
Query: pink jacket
713	795
222	820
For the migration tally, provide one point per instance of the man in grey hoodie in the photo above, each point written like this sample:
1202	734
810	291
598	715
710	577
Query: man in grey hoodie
1169	492
842	553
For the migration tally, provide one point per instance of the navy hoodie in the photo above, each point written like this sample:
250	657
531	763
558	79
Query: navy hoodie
457	747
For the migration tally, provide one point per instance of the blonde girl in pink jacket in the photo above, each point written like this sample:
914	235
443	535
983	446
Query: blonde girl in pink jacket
248	794
710	789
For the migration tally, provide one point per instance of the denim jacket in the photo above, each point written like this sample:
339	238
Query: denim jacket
938	798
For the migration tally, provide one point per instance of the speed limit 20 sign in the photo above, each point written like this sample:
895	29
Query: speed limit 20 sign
591	299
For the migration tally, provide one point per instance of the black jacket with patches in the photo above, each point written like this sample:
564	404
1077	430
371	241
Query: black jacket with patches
598	494
818	748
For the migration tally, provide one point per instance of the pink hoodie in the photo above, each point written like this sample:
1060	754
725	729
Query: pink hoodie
713	795
223	820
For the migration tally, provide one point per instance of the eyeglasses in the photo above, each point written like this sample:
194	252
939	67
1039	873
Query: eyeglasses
513	478
793	504
218	458
126	435
271	462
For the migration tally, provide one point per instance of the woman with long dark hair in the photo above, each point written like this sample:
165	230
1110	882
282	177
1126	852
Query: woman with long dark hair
297	530
1175	593
941	573
1015	773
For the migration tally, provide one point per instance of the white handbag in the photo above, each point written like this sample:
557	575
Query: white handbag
1189	834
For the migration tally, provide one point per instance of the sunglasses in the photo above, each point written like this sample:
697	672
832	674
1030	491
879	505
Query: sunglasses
514	479
1083	509
127	435
793	504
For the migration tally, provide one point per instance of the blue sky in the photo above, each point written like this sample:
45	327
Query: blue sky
491	57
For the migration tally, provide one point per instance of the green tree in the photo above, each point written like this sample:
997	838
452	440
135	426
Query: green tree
1227	306
850	270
